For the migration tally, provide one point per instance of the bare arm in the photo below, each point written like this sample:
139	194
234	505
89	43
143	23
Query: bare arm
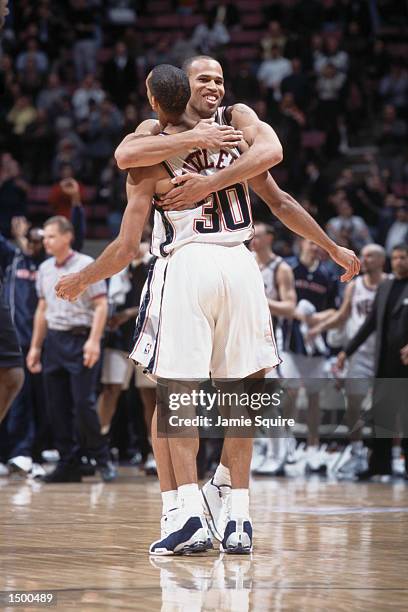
92	347
297	219
265	149
338	317
37	340
285	307
125	247
143	148
99	318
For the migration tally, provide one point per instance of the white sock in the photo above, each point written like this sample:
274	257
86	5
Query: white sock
222	476
169	499
189	497
240	502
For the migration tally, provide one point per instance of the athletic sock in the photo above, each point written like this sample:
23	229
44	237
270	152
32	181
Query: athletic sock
239	503
222	476
189	497
169	499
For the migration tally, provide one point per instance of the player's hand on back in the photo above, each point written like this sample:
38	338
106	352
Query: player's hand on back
188	190
211	135
348	260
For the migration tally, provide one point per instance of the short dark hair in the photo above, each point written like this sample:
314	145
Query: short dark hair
170	86
64	226
190	60
401	247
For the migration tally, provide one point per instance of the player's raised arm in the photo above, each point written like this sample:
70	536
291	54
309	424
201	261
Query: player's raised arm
297	219
143	148
119	253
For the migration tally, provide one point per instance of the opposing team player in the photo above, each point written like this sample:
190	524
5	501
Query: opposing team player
356	306
207	219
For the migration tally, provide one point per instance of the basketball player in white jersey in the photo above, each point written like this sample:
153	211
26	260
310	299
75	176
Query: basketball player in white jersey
357	304
117	254
281	295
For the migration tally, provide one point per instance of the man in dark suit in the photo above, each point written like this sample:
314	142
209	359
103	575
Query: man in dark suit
389	319
119	75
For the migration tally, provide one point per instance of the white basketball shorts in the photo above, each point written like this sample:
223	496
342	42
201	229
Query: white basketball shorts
204	313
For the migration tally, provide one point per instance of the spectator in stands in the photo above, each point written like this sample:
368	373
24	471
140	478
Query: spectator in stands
82	19
378	60
31	79
112	190
245	84
316	187
90	90
393	87
297	83
329	87
38	141
13	193
355	227
333	55
52	93
103	134
67	154
119	75
272	71
65	194
398	232
390	136
21	115
289	124
32	54
273	38
210	34
182	49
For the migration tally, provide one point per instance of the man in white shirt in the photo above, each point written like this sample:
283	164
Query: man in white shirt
273	70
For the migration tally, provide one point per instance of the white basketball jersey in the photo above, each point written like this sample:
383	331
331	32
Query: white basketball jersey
361	306
269	278
225	217
268	272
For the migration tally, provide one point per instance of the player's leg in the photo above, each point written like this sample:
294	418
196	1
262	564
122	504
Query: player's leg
244	346
147	392
180	354
107	404
11	382
183	526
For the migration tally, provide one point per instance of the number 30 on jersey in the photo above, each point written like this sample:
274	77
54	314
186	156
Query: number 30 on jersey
229	207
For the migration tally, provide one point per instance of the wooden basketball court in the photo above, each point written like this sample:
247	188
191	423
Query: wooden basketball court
319	545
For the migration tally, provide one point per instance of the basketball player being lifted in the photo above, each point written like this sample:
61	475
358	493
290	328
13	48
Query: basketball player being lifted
202	252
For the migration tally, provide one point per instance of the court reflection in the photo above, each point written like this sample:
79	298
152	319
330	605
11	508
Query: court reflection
200	583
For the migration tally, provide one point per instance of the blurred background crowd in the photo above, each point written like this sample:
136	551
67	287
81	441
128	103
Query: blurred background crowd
329	75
